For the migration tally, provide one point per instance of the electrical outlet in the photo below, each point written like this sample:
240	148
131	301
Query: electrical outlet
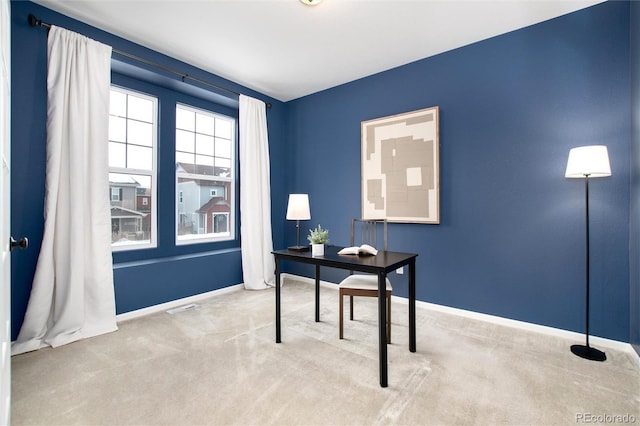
400	270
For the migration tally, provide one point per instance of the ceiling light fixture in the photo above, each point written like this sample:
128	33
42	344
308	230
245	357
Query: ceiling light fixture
311	2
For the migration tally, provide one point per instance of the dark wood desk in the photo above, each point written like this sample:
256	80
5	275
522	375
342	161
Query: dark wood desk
380	265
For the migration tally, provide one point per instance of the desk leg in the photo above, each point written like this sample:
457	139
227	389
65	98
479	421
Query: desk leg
278	340
317	293
412	305
382	327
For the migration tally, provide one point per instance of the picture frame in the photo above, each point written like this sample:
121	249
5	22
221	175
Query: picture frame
400	164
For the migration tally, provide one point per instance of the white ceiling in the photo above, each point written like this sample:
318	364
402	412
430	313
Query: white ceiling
287	50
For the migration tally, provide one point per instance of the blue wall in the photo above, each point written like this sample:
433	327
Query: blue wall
511	238
144	277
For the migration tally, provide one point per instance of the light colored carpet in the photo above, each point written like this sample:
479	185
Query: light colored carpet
219	364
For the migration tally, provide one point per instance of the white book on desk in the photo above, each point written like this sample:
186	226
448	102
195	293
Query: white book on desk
364	249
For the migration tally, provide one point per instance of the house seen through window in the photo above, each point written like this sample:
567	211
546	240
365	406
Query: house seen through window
205	147
132	169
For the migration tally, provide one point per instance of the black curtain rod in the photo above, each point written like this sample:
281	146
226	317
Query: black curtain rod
33	21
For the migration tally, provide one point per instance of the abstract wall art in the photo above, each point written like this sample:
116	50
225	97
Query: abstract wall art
401	167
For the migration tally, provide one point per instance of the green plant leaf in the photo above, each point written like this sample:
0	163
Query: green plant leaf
318	235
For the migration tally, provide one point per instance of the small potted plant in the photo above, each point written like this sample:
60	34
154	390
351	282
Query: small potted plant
318	237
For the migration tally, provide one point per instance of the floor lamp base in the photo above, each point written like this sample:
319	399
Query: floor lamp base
587	352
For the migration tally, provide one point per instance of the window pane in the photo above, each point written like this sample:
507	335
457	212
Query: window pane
139	157
223	148
140	109
205	160
144	180
204	124
204	205
185	141
140	133
118	104
224	163
185	119
117	129
223	128
204	144
130	216
117	154
184	158
132	146
198	209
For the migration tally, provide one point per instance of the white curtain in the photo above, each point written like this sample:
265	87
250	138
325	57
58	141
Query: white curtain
72	296
258	265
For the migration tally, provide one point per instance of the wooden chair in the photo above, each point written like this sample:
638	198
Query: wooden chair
365	284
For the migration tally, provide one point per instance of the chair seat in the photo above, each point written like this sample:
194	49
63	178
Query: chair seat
362	282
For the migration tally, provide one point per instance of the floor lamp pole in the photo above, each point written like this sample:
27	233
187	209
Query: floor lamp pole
586	351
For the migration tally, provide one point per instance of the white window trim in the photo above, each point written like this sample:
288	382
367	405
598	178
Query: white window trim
189	239
154	178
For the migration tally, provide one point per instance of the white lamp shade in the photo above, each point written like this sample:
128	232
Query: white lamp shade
592	161
298	207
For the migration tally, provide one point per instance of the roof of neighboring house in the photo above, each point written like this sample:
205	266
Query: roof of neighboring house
122	179
203	183
122	212
215	201
200	169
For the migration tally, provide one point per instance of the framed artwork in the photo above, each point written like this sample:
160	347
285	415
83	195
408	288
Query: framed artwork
401	167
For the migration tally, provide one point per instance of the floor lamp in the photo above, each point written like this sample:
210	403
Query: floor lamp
588	162
298	209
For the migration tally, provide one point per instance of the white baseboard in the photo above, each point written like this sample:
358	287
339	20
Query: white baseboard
175	303
198	297
550	331
192	299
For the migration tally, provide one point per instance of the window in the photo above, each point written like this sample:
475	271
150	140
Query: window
221	222
205	147
132	169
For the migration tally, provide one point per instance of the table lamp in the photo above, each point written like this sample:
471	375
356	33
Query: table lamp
588	162
298	209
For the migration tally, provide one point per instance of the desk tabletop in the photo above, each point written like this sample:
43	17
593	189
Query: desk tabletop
385	260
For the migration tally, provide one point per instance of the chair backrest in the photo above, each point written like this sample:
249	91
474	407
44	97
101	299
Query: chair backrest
369	231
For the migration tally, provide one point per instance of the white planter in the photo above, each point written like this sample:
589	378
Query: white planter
317	249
